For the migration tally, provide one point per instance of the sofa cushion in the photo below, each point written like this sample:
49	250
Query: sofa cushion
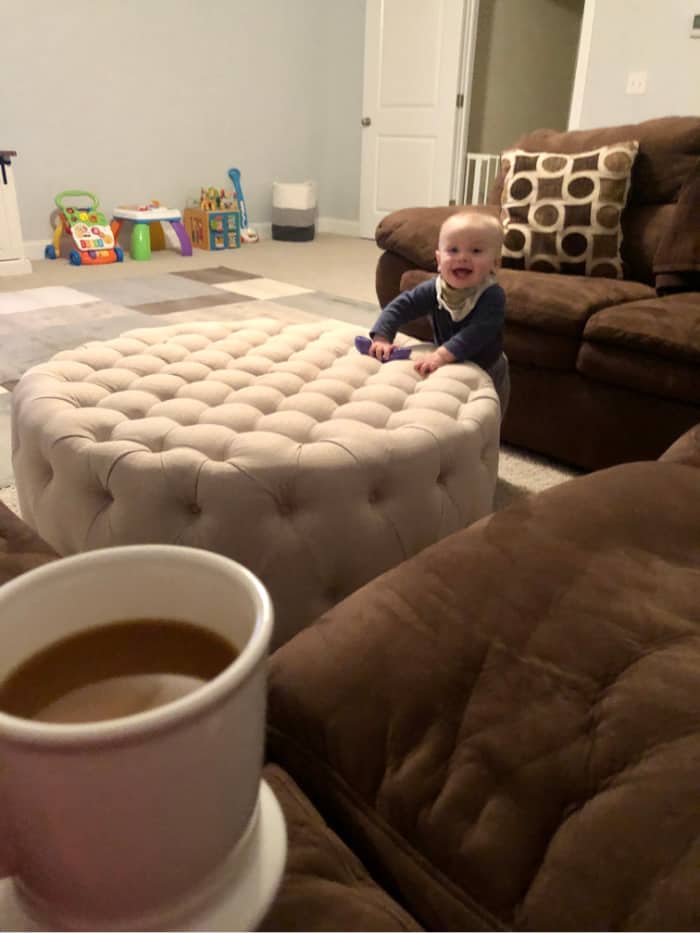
545	313
507	725
667	327
561	304
651	346
325	886
555	304
562	211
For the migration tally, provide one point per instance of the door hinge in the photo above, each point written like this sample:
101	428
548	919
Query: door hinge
460	101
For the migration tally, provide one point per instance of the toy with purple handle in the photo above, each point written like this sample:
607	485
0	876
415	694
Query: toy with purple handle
362	345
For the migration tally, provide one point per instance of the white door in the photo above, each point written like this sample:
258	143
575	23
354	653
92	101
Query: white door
411	81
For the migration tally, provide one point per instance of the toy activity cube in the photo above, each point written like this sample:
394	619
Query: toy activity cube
213	230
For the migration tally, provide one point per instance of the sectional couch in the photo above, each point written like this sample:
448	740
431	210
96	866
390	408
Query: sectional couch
504	731
603	369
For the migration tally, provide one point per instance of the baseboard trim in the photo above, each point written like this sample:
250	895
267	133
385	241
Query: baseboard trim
34	249
323	225
15	266
339	226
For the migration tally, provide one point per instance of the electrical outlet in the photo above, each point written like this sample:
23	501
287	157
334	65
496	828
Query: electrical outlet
636	82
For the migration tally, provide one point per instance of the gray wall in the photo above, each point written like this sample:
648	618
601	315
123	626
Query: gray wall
523	70
641	35
139	100
166	95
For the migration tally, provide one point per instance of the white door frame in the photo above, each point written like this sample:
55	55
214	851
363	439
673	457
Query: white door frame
582	58
470	23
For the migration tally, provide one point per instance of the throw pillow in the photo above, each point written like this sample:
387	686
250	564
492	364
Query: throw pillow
561	211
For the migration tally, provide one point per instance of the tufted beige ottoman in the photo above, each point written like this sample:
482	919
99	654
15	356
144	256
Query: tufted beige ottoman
279	445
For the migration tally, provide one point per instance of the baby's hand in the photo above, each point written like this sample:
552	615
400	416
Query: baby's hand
381	348
428	364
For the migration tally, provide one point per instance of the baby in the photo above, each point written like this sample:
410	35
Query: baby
465	304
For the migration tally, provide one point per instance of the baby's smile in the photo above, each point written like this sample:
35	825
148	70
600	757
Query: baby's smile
461	273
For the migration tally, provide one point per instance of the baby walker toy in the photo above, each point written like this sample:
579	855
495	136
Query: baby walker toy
248	234
92	236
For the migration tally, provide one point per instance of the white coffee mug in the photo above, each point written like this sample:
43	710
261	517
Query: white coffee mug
113	824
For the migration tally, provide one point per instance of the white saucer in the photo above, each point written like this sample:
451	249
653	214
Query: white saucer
255	870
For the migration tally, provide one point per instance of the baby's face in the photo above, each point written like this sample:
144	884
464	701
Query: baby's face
466	254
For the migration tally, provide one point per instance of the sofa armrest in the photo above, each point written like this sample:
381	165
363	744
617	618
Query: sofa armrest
513	708
412	232
387	277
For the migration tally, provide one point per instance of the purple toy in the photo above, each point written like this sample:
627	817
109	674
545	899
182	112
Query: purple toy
362	345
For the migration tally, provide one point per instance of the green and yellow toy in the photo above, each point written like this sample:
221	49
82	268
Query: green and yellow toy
93	238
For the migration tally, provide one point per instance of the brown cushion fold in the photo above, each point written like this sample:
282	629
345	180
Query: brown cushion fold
677	259
325	886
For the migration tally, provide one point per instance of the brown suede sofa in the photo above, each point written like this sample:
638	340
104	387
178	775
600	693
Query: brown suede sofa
504	731
603	370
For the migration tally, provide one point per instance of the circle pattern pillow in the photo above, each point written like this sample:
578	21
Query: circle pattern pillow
561	211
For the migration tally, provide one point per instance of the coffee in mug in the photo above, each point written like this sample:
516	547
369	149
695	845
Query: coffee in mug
113	670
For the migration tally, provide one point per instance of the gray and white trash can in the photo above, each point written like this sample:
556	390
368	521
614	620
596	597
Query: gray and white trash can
293	211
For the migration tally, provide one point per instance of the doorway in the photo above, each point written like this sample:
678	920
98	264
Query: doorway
479	72
524	68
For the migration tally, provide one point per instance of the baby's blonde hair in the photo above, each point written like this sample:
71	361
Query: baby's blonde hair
478	219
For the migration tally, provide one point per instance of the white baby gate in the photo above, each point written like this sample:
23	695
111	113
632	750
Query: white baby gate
480	170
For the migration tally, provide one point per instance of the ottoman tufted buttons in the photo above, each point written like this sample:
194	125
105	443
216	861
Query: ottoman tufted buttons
284	430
